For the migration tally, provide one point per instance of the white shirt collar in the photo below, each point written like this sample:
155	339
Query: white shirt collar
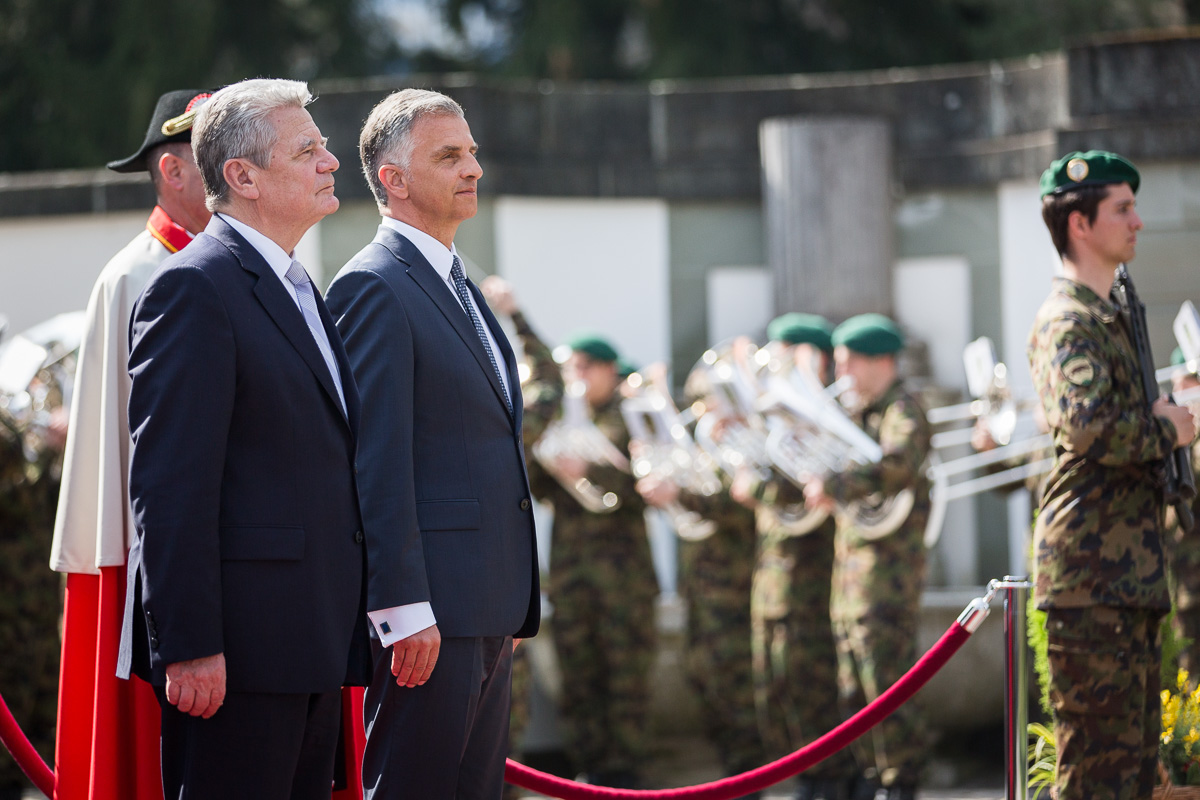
279	261
436	253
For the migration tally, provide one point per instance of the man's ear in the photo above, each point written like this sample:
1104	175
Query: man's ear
394	181
170	168
1077	224
242	177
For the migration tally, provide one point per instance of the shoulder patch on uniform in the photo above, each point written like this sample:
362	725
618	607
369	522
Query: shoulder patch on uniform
1079	370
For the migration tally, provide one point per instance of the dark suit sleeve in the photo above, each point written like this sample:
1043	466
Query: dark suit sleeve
375	328
183	365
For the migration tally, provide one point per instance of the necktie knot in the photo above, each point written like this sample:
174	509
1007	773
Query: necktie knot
297	275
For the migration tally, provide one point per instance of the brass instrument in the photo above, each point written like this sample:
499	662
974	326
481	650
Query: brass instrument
665	450
736	433
574	435
37	374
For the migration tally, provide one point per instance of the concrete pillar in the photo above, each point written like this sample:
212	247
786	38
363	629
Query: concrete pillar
827	200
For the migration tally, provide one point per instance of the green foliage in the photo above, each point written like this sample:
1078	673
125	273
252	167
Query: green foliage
80	77
1041	760
1035	626
595	39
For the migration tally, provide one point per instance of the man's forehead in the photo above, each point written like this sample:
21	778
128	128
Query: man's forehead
443	131
294	126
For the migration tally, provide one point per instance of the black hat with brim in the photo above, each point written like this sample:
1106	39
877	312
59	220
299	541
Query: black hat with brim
171	122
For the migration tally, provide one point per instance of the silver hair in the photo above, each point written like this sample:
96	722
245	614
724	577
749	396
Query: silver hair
386	136
233	124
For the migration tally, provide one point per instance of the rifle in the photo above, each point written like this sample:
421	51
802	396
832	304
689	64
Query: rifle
1179	483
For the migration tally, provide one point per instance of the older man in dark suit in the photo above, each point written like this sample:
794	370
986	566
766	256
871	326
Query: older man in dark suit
445	499
246	578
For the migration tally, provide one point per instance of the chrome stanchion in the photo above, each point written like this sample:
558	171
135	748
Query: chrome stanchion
1016	689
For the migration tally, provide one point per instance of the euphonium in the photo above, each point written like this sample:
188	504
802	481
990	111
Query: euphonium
665	450
734	432
574	435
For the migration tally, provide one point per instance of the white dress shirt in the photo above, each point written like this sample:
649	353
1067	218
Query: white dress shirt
394	624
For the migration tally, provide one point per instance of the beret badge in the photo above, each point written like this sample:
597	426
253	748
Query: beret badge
1077	169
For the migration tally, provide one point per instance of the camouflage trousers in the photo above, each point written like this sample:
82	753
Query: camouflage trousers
794	655
1104	686
522	686
874	651
718	668
604	630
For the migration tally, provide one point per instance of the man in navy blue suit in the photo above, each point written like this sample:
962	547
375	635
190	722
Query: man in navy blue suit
246	581
445	499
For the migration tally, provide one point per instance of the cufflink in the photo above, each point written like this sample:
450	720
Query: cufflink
383	626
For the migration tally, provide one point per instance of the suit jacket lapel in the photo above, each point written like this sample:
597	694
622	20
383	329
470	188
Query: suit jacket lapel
287	315
443	297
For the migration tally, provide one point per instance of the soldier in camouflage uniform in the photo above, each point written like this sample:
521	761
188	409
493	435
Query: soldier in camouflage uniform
1097	542
31	599
877	577
603	589
715	578
541	394
794	654
1183	552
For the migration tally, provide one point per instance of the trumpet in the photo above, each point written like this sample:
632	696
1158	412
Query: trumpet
574	435
665	450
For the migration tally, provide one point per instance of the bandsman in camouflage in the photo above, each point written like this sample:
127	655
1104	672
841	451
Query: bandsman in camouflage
32	596
603	589
715	578
878	575
541	394
1183	548
794	653
1098	539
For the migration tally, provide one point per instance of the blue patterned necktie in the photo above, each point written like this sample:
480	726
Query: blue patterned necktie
308	306
464	297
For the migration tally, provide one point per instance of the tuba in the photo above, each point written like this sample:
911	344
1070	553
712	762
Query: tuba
665	450
574	435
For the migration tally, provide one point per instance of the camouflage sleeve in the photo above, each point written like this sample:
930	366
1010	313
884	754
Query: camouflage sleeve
543	391
904	438
1097	420
612	425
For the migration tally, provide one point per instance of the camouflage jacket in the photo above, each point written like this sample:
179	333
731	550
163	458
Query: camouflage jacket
897	421
1098	535
542	391
727	557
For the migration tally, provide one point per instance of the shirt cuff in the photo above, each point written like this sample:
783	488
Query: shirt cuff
394	624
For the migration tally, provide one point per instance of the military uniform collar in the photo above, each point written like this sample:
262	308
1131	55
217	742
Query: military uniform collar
1102	308
887	398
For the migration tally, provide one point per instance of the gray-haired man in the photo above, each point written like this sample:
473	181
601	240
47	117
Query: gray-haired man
445	500
246	577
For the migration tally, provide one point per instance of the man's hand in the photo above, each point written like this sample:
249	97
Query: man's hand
197	687
498	292
981	437
413	658
740	488
815	497
1180	417
657	492
571	467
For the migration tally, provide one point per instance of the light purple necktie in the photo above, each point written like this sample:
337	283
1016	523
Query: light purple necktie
308	306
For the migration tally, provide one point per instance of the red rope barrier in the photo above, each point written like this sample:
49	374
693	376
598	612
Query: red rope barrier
43	778
758	779
26	757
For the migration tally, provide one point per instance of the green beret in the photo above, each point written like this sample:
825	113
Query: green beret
1177	357
797	328
1093	168
594	346
869	334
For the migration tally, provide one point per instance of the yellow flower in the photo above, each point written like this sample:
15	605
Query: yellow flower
1181	679
1192	736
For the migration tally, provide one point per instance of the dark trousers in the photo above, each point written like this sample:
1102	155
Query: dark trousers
257	746
446	740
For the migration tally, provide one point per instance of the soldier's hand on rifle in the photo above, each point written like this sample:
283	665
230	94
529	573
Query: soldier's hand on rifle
1180	417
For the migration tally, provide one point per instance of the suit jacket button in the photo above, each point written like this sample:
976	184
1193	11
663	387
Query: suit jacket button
525	504
154	641
358	537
